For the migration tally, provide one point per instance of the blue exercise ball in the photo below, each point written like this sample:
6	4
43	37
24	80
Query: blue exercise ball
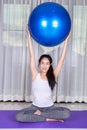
49	24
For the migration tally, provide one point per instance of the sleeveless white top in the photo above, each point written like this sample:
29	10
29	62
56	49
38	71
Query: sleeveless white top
42	94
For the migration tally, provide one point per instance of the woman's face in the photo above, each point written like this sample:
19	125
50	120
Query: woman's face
44	65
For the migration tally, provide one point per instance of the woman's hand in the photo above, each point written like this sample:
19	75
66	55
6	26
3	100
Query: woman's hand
27	30
68	37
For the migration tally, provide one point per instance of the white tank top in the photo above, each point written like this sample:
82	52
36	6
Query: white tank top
42	94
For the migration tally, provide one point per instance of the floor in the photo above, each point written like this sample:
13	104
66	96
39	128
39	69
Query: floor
21	105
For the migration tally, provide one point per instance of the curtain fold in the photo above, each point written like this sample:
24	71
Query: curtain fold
15	74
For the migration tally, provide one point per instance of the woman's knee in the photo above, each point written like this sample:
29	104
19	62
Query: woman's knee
66	113
18	117
21	117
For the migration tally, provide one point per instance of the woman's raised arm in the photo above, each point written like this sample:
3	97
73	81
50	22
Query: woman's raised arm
32	56
61	60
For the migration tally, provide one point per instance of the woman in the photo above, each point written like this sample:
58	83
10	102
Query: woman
43	82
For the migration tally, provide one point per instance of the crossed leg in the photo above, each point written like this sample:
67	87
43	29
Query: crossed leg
35	114
38	112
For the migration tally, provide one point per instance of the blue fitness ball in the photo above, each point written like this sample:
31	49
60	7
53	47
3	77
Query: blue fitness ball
49	24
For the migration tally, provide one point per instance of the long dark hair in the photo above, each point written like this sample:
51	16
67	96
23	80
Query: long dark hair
50	74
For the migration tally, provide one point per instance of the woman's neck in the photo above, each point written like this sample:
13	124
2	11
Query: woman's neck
42	74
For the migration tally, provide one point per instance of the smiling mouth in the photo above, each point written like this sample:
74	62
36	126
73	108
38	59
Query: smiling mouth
44	69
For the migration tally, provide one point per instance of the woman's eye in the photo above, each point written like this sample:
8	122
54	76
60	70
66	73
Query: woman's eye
42	63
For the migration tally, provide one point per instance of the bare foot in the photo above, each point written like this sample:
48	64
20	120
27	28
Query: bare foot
37	112
48	119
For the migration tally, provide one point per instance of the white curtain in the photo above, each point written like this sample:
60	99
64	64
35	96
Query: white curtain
15	75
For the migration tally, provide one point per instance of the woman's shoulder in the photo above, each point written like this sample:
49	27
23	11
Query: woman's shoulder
35	76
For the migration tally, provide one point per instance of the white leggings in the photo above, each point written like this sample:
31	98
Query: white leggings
27	114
